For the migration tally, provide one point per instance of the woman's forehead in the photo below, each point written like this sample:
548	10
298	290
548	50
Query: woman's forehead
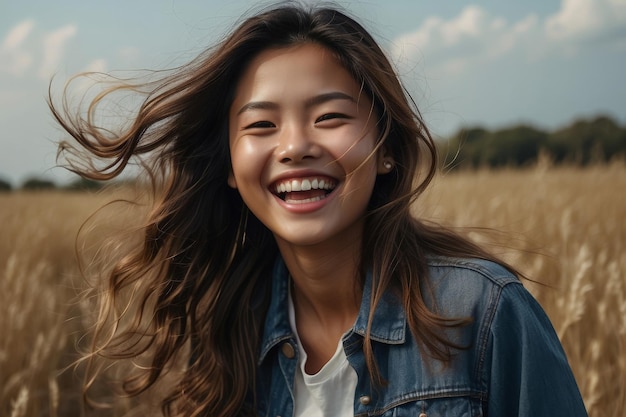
301	71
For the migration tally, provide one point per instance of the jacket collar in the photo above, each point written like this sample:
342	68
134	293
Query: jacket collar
388	325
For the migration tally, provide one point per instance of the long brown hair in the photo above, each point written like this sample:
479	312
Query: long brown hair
205	260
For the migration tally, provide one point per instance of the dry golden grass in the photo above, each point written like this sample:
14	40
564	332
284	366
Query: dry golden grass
42	315
571	217
569	226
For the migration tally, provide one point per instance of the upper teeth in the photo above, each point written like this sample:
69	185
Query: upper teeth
304	185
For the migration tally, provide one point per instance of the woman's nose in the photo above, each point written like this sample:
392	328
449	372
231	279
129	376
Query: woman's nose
295	145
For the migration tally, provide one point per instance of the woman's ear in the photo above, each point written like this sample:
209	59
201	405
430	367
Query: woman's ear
232	182
385	161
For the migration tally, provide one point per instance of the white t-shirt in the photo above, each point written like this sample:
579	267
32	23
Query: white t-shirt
328	393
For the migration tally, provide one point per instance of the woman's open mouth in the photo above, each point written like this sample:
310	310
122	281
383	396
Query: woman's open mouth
303	190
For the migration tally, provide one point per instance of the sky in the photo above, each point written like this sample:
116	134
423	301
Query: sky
490	63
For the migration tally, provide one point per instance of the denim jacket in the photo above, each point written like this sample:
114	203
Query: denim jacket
514	364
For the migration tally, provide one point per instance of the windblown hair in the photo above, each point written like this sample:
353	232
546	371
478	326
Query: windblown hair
205	261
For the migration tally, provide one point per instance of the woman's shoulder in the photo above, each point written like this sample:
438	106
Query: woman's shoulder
466	286
472	270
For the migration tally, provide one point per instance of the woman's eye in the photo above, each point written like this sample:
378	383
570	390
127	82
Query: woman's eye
330	116
260	124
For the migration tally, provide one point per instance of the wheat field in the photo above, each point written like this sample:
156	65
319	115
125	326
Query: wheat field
562	227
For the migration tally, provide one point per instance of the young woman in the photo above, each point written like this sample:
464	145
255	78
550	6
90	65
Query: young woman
282	250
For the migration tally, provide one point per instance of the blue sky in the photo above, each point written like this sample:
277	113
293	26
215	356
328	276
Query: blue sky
491	63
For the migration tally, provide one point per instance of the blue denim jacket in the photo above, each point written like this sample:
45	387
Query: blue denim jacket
514	366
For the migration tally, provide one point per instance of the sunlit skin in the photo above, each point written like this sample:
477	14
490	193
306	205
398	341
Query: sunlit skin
299	121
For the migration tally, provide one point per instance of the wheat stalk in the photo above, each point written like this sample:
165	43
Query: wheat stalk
20	403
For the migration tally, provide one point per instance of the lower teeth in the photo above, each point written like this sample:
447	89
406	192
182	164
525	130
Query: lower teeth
304	201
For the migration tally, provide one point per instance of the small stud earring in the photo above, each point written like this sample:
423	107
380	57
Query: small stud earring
387	164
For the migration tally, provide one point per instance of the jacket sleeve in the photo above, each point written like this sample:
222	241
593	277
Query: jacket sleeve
527	372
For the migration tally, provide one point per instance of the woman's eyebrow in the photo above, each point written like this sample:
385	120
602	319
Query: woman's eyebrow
323	98
311	102
257	105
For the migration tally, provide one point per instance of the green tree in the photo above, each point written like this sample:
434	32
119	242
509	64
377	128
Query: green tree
36	184
586	141
5	186
84	184
515	146
464	149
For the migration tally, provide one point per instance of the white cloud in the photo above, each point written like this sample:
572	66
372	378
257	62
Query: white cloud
469	24
587	20
54	46
17	35
510	37
97	65
13	59
476	36
436	32
473	36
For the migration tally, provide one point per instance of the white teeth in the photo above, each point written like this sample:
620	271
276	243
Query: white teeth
303	185
306	200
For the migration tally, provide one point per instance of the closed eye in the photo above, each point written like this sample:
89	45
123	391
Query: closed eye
330	116
260	124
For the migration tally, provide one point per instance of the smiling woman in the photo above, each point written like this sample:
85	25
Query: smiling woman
298	119
283	254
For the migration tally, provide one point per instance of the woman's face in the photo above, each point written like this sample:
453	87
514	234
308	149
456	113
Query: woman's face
302	139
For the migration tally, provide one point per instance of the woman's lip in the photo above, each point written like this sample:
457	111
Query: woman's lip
305	204
309	206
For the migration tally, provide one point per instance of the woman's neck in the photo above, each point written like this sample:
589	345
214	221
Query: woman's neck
326	294
326	277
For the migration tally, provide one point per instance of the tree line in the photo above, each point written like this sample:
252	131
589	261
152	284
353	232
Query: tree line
39	184
585	141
